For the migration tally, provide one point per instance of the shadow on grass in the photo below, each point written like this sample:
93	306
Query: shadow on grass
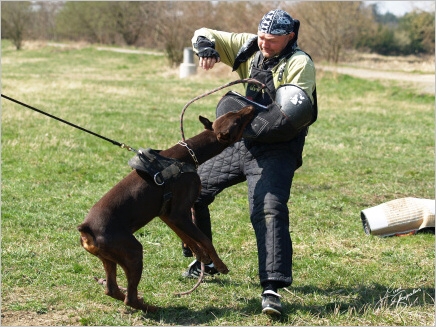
356	300
361	298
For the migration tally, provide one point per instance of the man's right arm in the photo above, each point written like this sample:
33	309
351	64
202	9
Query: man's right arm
225	44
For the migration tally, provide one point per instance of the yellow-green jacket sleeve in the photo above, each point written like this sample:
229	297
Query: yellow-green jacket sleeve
299	70
227	45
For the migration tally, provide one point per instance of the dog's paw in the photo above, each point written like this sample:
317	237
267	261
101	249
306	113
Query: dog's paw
222	269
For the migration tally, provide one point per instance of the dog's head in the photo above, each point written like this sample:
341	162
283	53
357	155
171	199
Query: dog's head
228	128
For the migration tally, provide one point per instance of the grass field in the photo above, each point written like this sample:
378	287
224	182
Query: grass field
373	142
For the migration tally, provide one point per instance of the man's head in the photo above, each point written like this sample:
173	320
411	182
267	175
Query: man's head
275	31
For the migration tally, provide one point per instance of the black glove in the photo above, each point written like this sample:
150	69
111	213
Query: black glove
206	48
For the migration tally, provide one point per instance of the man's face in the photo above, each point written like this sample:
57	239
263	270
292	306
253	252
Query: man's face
272	45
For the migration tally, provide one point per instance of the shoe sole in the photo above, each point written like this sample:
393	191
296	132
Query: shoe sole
271	311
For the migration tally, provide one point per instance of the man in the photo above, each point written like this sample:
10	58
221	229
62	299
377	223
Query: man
266	157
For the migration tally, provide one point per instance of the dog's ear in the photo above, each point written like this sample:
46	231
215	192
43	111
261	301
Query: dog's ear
206	122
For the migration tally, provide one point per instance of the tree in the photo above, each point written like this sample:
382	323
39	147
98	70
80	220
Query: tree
176	22
328	28
239	16
420	27
381	41
43	22
15	21
130	18
412	33
89	21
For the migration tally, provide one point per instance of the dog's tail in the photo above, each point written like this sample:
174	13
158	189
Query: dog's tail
87	239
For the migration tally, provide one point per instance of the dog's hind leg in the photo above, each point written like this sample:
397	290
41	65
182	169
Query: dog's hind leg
131	261
112	288
104	253
123	249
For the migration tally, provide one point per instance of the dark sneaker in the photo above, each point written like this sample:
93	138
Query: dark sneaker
271	303
194	270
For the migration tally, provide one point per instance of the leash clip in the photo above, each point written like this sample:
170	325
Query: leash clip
129	148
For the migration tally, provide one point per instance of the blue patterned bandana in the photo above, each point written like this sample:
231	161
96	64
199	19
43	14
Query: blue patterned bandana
276	22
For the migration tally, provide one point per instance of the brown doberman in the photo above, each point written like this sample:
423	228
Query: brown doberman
107	231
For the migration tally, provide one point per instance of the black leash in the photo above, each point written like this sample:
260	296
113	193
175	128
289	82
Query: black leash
122	145
129	148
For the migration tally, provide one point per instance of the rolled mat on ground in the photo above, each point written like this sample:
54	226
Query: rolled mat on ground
400	216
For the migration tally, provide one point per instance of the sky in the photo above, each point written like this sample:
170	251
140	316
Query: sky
399	8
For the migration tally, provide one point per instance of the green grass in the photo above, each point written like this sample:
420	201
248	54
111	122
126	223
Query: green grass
373	142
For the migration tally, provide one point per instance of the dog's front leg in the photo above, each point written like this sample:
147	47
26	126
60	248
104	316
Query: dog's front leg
199	252
182	225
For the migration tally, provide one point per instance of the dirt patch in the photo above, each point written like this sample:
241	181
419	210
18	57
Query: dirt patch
415	71
424	83
38	44
410	64
49	318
